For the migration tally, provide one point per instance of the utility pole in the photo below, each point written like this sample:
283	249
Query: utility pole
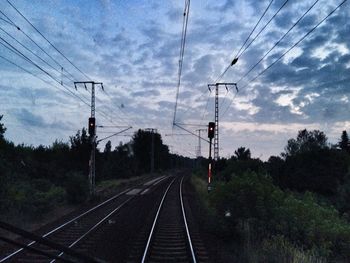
153	131
216	134
199	148
92	133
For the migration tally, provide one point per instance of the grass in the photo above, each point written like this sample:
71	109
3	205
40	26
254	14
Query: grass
114	183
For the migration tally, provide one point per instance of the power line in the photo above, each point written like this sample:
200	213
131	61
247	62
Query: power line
287	51
235	59
298	42
261	17
11	22
279	41
17	52
33	52
67	91
47	39
182	52
20	54
263	28
37	45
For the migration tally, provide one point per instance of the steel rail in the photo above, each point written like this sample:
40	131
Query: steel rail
96	225
186	226
155	222
67	223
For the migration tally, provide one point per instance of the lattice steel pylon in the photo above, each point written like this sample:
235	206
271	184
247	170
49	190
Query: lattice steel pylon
216	133
92	162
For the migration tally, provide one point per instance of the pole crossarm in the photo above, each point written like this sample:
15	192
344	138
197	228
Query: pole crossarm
226	84
88	82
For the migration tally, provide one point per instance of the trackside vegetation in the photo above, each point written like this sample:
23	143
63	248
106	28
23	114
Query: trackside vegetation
292	208
36	180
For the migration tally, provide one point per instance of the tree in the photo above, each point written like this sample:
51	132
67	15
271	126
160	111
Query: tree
242	154
108	147
80	150
344	143
2	129
142	148
306	141
311	165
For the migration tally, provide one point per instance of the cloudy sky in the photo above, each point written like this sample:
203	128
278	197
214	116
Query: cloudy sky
133	48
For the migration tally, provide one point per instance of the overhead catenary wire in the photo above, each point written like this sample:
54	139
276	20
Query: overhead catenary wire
17	52
67	91
52	45
23	56
292	47
296	43
182	52
38	46
263	28
18	28
59	87
30	51
240	52
278	42
235	58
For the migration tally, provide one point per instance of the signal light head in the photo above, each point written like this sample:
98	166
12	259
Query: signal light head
92	126
211	130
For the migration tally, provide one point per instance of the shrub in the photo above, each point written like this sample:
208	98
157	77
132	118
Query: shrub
77	188
269	211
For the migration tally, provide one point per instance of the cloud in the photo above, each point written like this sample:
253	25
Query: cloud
133	48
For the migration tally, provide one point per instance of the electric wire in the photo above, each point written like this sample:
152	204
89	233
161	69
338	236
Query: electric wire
67	91
52	45
257	23
26	48
240	51
263	28
296	43
11	22
182	52
20	54
293	46
5	20
23	56
278	42
38	46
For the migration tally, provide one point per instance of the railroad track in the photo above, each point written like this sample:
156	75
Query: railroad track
169	239
77	229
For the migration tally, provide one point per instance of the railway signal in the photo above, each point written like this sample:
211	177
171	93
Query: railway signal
92	126
211	130
211	133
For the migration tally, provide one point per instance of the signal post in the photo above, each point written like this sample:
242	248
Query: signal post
211	132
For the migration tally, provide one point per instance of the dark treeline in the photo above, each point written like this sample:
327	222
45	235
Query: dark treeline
291	208
309	163
33	180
